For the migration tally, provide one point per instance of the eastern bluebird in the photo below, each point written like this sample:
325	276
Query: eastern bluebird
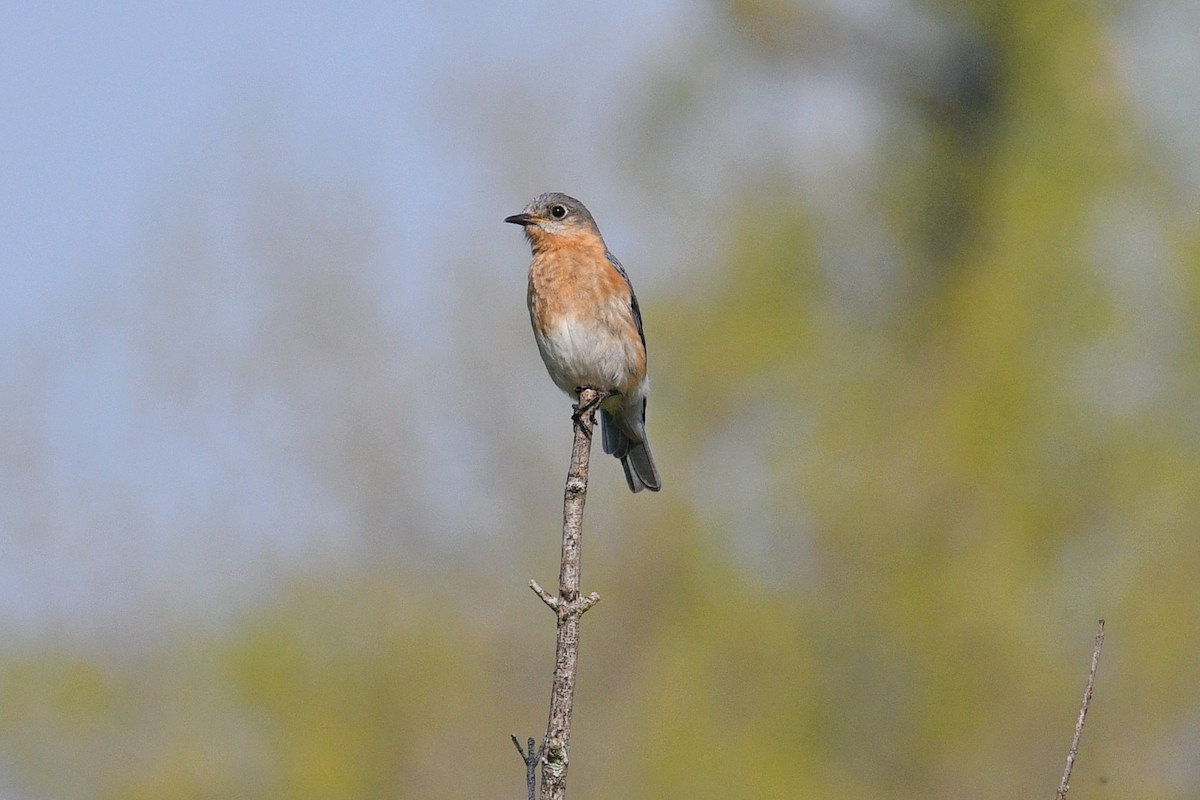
588	326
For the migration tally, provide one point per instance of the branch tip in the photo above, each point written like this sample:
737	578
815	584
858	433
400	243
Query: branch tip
587	602
547	598
1064	785
531	760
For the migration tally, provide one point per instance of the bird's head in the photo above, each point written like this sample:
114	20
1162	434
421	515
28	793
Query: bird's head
554	214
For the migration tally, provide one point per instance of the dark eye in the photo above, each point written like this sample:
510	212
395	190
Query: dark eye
558	212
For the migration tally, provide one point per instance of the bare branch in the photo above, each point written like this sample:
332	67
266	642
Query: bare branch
569	606
1064	785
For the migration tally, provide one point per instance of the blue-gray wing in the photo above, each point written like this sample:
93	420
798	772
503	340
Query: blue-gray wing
633	303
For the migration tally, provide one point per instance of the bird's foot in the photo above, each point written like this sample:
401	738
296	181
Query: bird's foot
584	409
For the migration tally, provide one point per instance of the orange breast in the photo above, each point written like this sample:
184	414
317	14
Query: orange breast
574	287
571	276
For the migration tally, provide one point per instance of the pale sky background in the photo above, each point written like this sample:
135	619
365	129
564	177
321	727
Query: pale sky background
112	115
105	103
115	114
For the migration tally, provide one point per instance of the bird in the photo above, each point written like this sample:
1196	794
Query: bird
588	326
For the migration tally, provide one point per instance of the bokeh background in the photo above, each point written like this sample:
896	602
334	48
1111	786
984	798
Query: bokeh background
278	455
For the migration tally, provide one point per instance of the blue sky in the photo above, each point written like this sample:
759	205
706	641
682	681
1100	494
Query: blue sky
114	113
454	114
104	102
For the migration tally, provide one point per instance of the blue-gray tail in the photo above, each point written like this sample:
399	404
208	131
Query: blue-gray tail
635	456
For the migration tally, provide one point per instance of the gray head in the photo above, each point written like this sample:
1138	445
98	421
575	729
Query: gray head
554	214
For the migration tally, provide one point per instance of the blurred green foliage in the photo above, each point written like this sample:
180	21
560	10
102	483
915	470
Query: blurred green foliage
892	526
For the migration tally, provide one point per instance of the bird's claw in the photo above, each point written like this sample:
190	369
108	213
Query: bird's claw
582	409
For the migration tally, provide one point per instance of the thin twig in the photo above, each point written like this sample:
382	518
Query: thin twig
1064	785
531	760
569	606
547	598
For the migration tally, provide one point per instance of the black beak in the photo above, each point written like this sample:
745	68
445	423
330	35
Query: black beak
520	219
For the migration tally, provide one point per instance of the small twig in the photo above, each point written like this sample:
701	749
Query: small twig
547	598
582	604
1064	785
531	760
587	602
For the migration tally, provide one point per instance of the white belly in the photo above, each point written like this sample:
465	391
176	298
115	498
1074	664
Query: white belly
587	355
